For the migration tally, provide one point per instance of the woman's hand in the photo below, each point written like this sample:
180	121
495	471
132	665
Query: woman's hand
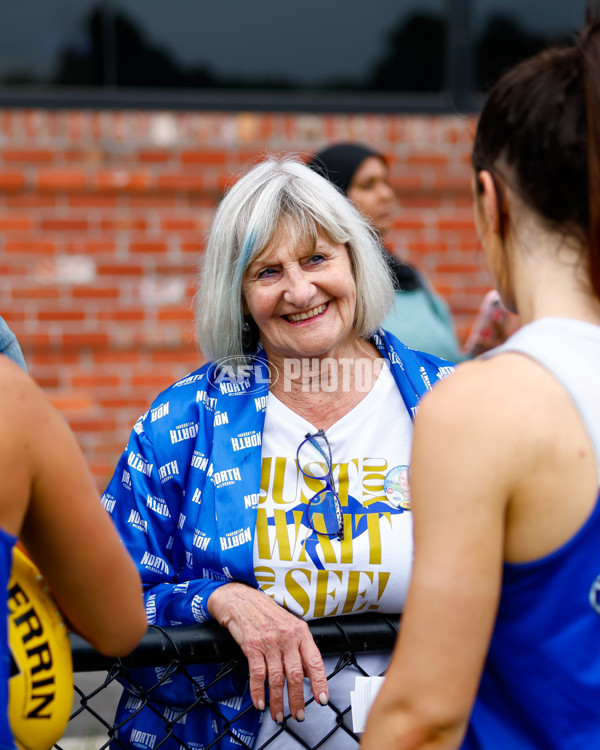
277	644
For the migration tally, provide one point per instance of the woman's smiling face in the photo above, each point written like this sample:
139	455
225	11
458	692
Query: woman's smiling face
302	298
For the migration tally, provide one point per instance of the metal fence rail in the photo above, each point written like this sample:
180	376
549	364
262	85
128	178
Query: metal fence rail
99	680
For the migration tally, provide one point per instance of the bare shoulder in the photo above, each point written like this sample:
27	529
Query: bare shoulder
21	400
22	408
29	418
497	387
35	440
11	373
506	401
17	387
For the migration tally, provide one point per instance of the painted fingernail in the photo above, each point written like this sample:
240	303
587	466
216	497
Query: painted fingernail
261	705
300	715
323	699
279	718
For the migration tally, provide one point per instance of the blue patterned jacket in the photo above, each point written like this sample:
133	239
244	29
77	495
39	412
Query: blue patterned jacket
184	498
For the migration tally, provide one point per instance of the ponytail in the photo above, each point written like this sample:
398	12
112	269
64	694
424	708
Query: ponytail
541	124
589	46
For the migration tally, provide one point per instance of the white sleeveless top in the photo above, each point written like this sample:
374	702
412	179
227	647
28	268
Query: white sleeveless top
570	351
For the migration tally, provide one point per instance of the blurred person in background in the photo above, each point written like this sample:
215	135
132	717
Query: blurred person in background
499	640
420	318
248	492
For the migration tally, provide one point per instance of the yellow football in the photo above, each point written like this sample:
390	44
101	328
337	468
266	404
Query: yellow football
41	682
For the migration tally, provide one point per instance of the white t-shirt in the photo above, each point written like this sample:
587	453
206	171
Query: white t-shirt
316	576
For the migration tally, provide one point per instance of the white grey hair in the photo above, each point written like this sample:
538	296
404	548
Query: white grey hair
278	195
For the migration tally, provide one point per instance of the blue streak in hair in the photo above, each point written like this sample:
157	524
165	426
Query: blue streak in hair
242	261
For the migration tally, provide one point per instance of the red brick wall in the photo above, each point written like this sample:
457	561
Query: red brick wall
102	219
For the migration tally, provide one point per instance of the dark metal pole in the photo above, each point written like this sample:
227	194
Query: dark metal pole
109	45
197	644
459	50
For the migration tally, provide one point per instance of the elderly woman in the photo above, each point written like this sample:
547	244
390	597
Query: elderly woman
254	491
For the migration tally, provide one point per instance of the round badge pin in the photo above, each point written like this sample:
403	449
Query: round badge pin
396	487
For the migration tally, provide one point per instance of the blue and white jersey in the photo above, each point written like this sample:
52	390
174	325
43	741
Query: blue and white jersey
184	499
540	686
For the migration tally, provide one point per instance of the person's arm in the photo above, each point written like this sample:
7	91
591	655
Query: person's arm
491	326
48	499
462	470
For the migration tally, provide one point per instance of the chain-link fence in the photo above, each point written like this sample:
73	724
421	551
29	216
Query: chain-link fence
99	681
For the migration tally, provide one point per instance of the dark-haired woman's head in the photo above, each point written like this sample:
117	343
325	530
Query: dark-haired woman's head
362	174
538	135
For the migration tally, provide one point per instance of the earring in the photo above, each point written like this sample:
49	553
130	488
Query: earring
246	335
